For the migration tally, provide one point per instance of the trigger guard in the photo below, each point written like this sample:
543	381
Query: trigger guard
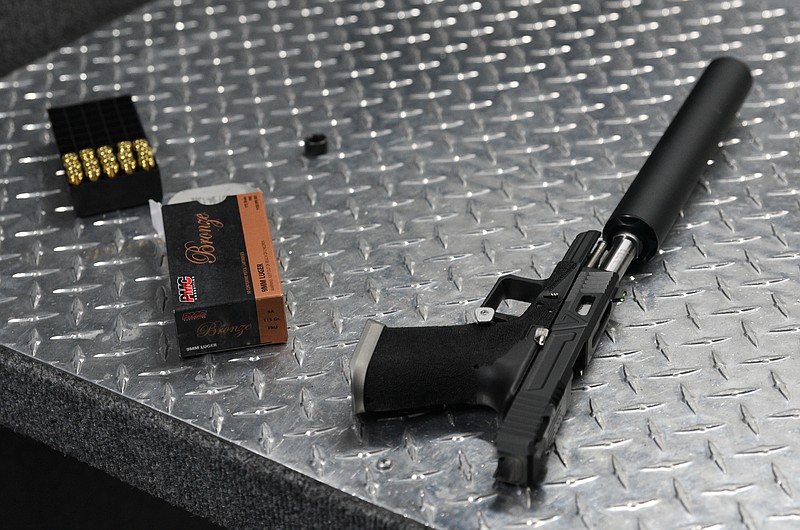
513	287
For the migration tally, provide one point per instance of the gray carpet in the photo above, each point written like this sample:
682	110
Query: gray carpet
32	28
174	461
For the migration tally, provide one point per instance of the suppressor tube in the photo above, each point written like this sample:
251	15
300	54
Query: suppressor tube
649	208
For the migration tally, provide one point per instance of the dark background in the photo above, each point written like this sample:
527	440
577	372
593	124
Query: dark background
40	487
32	28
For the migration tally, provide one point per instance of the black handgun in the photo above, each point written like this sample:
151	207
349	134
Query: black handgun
522	366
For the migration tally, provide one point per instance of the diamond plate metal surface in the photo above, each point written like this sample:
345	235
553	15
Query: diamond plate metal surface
469	140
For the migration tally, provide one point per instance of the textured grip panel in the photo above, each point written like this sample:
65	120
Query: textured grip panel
422	367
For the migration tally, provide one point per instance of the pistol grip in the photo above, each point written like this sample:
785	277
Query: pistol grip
403	369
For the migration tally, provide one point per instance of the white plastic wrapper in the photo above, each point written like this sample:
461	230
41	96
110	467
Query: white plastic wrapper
204	195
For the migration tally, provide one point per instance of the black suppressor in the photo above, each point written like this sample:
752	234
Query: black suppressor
652	203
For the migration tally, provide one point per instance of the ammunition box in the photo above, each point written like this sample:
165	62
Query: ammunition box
92	129
224	279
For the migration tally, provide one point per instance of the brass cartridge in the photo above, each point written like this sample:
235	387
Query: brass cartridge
108	160
72	166
90	165
125	157
144	153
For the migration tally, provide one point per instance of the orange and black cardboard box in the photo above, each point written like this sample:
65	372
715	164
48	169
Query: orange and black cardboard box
224	276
